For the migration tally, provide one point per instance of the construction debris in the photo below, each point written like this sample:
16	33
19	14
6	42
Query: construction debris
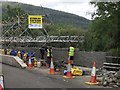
109	78
110	72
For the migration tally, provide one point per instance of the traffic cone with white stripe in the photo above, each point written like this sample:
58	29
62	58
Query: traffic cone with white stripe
30	63
1	88
1	83
93	79
52	71
69	74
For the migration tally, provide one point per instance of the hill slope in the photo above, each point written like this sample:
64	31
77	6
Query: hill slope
55	16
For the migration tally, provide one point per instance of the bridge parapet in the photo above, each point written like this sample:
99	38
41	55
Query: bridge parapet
43	39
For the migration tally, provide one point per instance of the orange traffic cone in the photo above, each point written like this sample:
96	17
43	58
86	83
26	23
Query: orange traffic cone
1	83
52	71
93	79
1	88
69	74
30	63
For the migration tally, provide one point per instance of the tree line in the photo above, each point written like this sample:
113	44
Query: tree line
103	33
104	29
11	14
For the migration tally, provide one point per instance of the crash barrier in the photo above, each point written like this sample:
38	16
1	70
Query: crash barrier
26	57
112	63
13	61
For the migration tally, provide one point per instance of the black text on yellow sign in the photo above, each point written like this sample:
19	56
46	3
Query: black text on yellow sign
35	21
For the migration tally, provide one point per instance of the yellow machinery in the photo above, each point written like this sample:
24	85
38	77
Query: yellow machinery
76	71
35	62
3	51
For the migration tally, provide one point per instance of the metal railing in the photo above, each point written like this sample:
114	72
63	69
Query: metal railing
43	39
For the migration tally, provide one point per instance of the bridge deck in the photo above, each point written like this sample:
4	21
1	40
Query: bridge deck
43	39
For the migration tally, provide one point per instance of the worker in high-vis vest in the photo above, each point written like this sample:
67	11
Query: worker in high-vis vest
49	56
8	53
25	57
71	52
19	54
3	51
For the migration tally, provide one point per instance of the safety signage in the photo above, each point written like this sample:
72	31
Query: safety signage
35	21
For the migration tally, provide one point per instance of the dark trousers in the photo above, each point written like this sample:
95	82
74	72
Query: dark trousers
48	61
42	55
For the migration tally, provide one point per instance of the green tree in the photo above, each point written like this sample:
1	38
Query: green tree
14	18
104	30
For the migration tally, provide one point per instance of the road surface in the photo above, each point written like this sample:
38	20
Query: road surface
22	78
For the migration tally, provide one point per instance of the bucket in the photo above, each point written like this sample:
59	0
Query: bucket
38	64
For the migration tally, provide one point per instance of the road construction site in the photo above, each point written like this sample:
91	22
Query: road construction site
23	67
39	78
15	71
92	69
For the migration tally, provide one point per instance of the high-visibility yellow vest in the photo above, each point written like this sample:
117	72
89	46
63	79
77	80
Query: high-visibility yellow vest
7	52
18	54
2	51
71	51
48	53
24	56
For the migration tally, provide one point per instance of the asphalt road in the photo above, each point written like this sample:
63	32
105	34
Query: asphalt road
22	78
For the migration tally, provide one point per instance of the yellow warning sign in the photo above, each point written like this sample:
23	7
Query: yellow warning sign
35	21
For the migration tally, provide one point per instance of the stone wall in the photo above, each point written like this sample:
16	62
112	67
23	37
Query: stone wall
82	58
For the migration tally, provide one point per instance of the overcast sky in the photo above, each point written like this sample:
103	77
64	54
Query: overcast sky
78	7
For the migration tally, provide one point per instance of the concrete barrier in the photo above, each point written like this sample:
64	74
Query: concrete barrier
12	60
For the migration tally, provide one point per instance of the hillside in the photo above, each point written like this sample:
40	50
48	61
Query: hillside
54	15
